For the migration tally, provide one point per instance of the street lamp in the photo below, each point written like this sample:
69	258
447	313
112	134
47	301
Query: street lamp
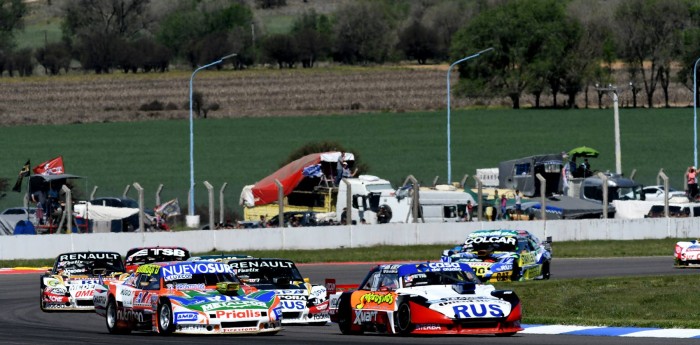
449	154
191	218
618	159
695	112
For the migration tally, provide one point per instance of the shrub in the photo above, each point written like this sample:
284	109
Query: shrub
153	106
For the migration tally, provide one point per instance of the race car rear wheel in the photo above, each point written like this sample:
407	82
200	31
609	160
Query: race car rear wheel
403	318
545	270
111	318
165	317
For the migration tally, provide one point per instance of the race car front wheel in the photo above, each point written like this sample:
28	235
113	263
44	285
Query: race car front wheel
345	314
111	318
165	317
515	276
403	318
41	299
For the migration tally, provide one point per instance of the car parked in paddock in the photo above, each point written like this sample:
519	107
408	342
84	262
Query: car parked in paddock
301	302
69	284
504	255
192	297
426	298
138	256
687	254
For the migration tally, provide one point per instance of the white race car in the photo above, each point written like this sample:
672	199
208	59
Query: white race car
301	302
687	254
69	284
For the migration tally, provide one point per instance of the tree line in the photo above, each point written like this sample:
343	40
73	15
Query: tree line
541	47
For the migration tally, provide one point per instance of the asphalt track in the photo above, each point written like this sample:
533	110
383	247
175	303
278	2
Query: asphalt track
21	321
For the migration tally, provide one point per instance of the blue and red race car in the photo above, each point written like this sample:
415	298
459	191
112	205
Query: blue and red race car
426	298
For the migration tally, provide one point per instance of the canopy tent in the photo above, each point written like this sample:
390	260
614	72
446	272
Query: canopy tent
583	151
265	191
49	183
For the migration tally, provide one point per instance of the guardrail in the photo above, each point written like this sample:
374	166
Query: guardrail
329	237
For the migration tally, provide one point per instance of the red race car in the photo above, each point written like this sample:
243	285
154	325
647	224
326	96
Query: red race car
426	298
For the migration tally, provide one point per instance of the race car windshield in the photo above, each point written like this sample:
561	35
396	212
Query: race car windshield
204	279
438	278
90	267
270	275
141	260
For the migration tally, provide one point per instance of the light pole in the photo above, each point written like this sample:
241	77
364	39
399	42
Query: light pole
449	154
190	205
695	112
618	158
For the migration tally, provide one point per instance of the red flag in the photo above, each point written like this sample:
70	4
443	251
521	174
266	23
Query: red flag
50	167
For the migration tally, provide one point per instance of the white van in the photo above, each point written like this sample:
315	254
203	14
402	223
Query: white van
376	201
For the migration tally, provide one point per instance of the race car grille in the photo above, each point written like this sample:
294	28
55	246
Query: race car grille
477	324
291	315
84	303
236	324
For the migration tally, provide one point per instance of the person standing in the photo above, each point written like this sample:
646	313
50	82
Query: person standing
339	168
518	204
504	206
496	213
469	209
692	183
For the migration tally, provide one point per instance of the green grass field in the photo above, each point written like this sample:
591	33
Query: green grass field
394	145
650	301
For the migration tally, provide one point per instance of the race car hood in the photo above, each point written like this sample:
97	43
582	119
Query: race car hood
454	301
212	300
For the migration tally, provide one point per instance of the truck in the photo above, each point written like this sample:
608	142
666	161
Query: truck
619	188
372	198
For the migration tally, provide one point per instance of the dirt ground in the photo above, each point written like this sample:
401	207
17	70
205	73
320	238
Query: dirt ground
264	92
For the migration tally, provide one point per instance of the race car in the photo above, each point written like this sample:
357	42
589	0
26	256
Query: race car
301	302
687	254
69	284
426	298
138	256
193	297
504	255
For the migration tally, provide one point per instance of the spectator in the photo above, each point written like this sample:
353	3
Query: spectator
504	206
692	183
339	168
346	171
469	210
495	213
518	204
263	222
586	166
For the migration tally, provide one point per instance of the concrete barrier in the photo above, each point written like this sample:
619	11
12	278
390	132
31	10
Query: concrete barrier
325	237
